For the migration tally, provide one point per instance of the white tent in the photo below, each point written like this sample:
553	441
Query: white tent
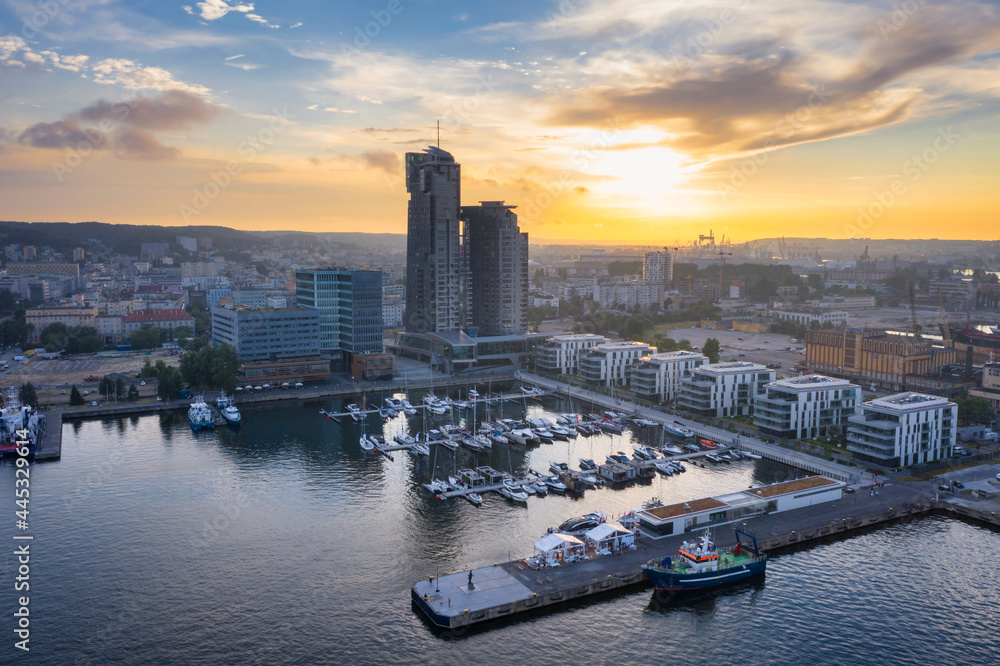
610	537
554	549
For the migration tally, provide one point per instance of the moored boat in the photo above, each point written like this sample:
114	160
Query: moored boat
707	443
701	565
228	410
678	430
199	415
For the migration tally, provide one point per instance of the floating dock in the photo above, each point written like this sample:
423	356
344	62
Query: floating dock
50	445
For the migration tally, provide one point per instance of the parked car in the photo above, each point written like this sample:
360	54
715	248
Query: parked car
848	489
958	484
93	404
944	486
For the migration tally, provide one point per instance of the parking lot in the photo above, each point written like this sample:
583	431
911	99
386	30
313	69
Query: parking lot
982	478
761	348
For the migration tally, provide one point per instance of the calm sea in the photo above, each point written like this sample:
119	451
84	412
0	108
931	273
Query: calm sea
282	543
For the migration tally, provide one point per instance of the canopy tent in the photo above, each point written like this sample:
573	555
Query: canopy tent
610	537
554	549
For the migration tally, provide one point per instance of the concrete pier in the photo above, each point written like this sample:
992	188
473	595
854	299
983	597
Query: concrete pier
511	589
50	446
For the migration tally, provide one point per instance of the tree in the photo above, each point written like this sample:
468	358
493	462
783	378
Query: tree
975	410
182	334
75	399
27	395
106	386
169	383
146	337
202	319
148	370
211	367
119	387
711	350
133	393
815	282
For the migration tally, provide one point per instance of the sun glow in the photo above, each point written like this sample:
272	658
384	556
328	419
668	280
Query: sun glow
648	180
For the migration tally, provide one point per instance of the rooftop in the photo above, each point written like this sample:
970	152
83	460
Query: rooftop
909	401
620	346
729	367
573	337
798	485
673	356
811	382
693	506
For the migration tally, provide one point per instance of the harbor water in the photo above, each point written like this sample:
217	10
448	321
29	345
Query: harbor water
282	542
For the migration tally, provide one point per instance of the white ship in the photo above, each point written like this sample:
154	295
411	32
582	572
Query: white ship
200	415
228	410
18	424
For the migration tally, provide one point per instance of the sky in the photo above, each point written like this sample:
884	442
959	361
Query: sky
605	120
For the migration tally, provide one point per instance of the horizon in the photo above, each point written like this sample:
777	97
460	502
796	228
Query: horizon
601	122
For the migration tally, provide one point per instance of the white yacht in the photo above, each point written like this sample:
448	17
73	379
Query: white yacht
354	411
199	415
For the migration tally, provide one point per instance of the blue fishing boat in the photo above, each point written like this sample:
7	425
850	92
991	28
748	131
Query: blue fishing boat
701	565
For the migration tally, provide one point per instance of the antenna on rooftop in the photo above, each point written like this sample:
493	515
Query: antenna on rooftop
439	134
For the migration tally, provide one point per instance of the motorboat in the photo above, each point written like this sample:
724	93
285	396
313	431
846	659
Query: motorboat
584	429
409	409
559	467
528	488
644	423
497	438
664	467
645	452
678	430
543	435
436	486
562	433
714	458
579	525
438	409
521	436
473	394
513	492
617	457
725	456
393	403
475	499
420	449
354	412
461	404
587	464
707	443
751	456
472	444
530	390
366	444
673	450
456	482
591	480
404	439
378	441
554	484
568	419
610	426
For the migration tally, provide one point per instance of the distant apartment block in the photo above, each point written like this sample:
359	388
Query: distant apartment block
109	327
990	389
608	364
199	269
627	292
263	335
71	316
657	377
724	389
808	406
806	316
155	250
561	353
44	268
165	318
392	311
189	243
903	429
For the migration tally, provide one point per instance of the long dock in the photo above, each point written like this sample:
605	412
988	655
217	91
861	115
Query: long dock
50	446
514	589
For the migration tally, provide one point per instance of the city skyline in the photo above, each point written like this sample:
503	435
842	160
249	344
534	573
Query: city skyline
633	122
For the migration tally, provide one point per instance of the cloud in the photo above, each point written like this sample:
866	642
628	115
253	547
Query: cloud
297	24
136	144
333	109
132	75
235	57
312	107
169	110
257	18
382	159
245	66
61	134
211	10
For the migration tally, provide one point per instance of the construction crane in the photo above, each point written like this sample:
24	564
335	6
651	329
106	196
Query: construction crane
945	329
722	263
913	314
710	238
690	279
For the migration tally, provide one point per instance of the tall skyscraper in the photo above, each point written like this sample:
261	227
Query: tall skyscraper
434	299
658	269
497	255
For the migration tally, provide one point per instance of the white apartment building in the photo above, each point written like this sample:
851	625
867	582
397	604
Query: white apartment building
609	364
561	353
806	316
658	267
624	293
903	429
723	389
807	406
658	376
392	311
